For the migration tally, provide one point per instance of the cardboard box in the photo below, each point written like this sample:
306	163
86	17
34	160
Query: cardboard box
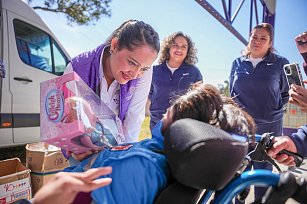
44	161
14	181
74	118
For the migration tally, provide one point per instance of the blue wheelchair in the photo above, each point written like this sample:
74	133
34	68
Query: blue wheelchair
207	165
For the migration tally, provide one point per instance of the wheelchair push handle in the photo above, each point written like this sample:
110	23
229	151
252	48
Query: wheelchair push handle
298	159
263	143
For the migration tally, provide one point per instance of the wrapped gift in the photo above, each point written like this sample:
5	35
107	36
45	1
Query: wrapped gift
74	118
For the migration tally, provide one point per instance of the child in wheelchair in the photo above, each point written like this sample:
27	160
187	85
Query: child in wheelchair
142	170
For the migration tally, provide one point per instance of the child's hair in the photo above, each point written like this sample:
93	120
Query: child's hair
236	120
203	102
134	33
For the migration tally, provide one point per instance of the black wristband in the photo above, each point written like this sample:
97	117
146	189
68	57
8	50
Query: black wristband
304	55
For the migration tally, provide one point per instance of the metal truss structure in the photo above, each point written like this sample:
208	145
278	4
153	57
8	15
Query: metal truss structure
227	20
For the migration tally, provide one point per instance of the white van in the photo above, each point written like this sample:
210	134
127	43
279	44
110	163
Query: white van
29	54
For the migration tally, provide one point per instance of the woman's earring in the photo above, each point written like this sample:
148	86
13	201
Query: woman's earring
111	52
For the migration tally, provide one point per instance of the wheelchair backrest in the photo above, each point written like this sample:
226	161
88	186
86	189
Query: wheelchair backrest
202	156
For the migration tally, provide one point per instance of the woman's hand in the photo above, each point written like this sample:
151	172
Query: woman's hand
281	143
298	96
303	38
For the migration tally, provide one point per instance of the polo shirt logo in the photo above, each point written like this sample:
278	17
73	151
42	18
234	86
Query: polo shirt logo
130	93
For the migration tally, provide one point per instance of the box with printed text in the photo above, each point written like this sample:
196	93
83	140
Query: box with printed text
74	118
15	181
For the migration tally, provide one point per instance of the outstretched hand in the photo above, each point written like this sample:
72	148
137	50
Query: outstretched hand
280	143
302	48
298	96
64	187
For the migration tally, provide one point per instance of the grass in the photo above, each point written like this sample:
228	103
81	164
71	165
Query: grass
145	130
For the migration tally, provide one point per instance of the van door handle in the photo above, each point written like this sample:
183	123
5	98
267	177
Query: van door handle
22	79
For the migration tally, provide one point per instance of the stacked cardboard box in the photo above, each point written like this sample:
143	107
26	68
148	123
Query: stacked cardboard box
14	181
44	160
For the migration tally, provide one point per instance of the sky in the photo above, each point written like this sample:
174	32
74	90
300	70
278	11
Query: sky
217	47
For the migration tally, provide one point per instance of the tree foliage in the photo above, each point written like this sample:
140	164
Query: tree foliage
224	89
82	12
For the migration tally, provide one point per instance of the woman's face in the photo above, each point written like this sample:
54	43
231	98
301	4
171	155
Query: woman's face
179	49
259	43
126	65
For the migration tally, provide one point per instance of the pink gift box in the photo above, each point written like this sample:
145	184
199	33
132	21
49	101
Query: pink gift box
74	118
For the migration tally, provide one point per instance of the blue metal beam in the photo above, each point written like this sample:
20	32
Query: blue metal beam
269	11
237	11
228	19
221	19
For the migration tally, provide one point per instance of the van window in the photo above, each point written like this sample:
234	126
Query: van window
37	48
59	61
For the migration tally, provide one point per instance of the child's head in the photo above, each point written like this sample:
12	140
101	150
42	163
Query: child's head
234	119
188	140
203	102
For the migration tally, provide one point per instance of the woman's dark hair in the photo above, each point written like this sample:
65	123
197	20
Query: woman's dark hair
269	28
134	33
191	57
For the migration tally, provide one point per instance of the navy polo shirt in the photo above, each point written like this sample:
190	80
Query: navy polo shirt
164	85
262	91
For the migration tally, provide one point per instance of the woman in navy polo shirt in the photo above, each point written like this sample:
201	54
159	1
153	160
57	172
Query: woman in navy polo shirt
259	85
175	73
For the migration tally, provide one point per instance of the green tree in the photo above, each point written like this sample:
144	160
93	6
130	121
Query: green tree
224	89
82	12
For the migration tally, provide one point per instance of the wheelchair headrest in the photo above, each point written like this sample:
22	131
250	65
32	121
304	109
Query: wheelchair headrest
202	156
